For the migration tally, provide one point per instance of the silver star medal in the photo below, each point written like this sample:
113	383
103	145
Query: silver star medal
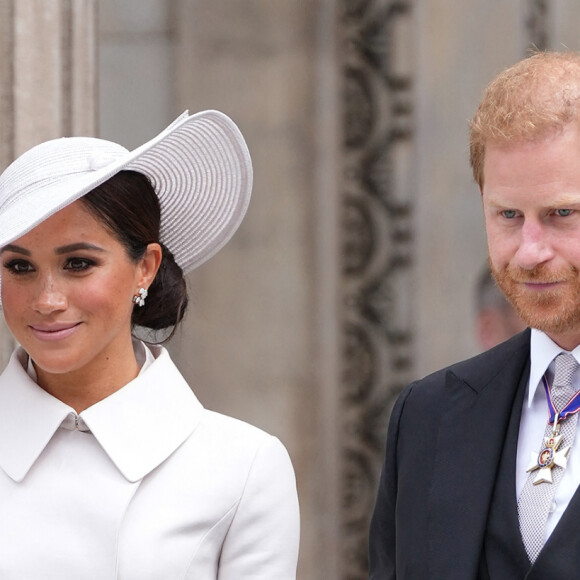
549	456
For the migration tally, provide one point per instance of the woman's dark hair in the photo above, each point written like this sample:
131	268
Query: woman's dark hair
127	205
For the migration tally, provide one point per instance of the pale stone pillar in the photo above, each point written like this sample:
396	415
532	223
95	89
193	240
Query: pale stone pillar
453	67
47	78
136	70
260	342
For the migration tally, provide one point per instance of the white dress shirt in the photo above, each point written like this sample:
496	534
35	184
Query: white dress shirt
144	485
535	415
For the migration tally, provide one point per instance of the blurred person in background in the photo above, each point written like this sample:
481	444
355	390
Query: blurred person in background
496	319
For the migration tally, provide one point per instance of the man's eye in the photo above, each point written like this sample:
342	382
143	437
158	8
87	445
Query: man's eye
563	212
19	266
509	214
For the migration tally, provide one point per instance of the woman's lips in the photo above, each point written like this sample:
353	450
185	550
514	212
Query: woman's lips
54	332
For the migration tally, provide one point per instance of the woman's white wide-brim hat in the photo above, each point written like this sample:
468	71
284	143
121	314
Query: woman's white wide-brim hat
199	166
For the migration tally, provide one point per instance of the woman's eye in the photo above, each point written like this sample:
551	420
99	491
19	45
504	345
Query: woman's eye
563	212
509	213
19	267
78	264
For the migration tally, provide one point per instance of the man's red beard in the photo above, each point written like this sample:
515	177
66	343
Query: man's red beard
554	310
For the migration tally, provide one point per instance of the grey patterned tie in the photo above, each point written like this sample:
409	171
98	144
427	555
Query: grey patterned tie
536	499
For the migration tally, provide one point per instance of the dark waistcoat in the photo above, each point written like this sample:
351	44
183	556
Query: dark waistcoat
504	556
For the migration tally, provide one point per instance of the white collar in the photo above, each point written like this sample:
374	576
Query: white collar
543	350
138	426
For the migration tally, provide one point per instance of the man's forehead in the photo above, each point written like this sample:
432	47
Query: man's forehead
510	199
554	157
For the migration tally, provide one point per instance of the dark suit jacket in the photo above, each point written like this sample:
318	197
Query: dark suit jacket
444	443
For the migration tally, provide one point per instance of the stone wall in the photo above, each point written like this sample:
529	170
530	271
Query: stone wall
354	271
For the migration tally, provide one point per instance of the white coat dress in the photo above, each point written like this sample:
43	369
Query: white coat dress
144	485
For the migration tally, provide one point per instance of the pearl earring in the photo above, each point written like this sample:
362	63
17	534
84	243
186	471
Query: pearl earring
139	298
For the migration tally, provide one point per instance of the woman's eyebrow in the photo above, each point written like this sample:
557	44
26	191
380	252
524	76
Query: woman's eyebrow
16	249
62	250
78	246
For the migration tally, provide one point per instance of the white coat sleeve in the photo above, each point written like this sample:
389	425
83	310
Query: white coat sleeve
262	542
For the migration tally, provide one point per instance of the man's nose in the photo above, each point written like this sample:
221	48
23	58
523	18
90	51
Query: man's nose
535	247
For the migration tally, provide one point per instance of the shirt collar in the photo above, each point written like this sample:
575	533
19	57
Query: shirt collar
138	426
543	350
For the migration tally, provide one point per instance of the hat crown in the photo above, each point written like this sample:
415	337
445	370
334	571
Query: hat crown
54	162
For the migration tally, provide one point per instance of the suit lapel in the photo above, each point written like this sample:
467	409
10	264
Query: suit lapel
480	396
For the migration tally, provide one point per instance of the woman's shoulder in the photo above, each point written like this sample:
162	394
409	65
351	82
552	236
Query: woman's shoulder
231	453
233	433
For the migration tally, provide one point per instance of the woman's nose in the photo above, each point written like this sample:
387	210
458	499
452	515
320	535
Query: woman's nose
50	297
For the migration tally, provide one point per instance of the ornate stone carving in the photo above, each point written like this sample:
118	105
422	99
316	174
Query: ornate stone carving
376	250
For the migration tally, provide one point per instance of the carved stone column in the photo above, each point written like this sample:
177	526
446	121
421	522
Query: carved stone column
377	249
47	78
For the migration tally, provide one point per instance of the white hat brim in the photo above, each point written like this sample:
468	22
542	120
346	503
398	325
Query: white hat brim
199	166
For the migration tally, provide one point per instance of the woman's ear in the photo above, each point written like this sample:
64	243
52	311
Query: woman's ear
149	264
